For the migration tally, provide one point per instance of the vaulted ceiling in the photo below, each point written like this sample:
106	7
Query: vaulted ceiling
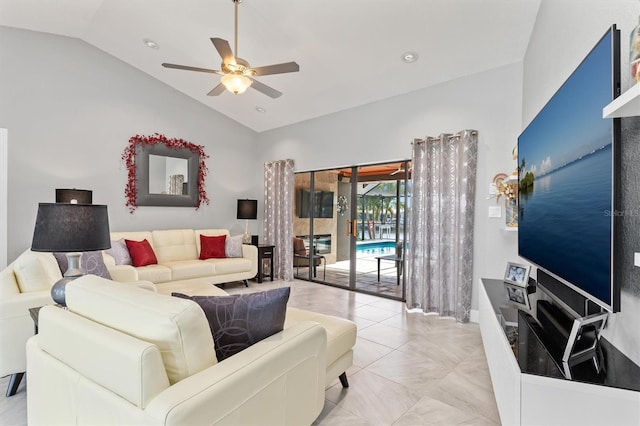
349	52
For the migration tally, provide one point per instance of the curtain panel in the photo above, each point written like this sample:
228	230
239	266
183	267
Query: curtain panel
440	252
278	215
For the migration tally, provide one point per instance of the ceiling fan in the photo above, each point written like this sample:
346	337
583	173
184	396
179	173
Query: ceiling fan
237	74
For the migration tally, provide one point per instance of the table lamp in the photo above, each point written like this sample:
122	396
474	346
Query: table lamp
247	209
71	229
74	196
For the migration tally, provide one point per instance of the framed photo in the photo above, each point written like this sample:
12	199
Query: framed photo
518	295
517	274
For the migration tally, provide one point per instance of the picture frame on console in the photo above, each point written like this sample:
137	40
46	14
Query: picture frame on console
517	274
518	295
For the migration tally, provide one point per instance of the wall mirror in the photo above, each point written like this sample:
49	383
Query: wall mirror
166	176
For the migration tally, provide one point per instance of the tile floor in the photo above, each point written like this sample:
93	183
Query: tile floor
409	369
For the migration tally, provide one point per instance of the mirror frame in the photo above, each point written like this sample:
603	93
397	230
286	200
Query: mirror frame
144	198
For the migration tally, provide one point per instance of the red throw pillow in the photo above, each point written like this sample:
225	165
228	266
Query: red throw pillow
212	247
141	253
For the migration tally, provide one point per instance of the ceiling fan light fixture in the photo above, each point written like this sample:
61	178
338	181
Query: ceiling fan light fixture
236	83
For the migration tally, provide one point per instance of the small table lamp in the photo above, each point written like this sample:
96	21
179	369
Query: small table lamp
247	209
70	228
74	196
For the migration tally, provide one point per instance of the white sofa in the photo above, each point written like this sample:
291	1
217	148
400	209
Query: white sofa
124	355
178	252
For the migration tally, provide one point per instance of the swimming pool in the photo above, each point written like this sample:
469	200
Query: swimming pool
379	247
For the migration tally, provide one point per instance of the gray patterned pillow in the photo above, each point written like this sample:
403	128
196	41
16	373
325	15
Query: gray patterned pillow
91	261
240	320
120	252
233	246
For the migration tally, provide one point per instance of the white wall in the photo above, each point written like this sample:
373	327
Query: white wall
563	35
71	109
489	102
3	196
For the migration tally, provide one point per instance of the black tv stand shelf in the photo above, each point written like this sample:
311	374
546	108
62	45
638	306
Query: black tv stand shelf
530	382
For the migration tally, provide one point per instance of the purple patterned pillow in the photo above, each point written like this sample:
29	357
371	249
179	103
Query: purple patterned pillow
91	261
240	320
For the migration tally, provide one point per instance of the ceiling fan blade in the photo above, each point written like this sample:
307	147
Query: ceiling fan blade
188	68
223	48
216	90
263	88
276	69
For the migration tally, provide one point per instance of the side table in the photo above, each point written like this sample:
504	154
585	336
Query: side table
265	251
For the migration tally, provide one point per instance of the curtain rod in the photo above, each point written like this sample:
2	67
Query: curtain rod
448	136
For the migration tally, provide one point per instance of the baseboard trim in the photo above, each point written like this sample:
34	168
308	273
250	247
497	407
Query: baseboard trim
474	316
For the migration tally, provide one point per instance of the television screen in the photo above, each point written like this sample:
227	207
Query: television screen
322	204
567	172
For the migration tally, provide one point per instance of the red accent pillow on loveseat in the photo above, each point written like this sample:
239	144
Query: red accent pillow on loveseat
212	247
141	253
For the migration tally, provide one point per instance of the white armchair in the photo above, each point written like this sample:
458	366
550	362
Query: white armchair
25	283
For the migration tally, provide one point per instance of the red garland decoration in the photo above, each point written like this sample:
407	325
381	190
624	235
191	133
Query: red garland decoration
129	154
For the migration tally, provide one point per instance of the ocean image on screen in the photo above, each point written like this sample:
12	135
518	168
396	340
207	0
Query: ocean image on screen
565	180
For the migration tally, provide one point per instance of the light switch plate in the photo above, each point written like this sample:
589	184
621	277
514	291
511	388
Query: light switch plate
495	211
636	259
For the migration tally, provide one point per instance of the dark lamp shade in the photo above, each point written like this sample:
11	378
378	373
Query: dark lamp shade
64	227
76	196
247	209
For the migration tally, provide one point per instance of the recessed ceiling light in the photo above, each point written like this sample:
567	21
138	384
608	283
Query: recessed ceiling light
150	43
409	57
260	109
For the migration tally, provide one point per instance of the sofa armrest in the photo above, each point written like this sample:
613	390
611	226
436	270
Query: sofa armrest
16	326
123	273
251	252
279	380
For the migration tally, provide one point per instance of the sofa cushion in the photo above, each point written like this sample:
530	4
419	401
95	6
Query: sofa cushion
192	287
8	282
239	321
177	327
230	265
141	252
36	271
341	333
233	246
154	273
212	247
90	261
173	245
120	252
187	269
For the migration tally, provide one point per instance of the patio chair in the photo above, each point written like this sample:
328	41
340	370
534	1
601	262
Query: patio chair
301	258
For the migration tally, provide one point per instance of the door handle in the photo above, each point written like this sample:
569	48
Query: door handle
348	227
354	228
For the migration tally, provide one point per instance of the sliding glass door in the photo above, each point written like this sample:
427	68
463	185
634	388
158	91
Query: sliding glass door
349	225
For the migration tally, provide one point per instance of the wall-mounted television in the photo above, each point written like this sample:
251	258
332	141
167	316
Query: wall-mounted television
568	177
322	204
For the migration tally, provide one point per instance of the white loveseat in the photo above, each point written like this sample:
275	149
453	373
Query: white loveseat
178	252
124	355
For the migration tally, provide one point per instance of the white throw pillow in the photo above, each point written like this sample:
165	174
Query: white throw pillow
233	246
